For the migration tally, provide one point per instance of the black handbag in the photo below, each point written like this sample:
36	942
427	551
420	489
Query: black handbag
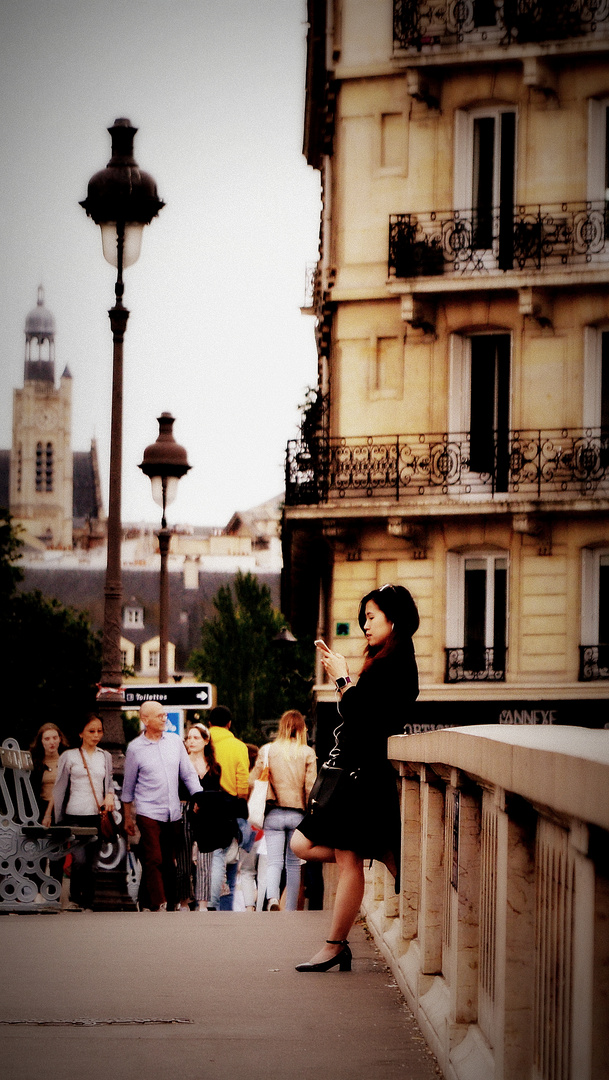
330	778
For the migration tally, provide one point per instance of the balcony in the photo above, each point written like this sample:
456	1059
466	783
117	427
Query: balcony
593	662
475	664
429	25
567	464
486	242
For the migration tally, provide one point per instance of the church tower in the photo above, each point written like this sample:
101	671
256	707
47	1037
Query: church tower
41	480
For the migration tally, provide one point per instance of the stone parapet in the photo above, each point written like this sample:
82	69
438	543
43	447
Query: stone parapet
499	937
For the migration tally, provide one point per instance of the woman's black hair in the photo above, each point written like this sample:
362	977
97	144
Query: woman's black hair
397	605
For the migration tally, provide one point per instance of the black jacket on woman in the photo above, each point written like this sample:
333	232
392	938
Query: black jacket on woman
364	814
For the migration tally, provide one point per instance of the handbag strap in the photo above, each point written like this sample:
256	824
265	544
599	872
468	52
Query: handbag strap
84	761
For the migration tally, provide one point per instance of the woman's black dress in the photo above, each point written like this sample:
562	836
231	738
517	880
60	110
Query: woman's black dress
363	814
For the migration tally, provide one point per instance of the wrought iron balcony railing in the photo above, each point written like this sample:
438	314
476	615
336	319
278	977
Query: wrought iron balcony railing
517	238
558	463
425	24
475	664
593	662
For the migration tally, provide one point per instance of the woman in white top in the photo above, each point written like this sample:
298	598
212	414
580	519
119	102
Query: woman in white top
83	786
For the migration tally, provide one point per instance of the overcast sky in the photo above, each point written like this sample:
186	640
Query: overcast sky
215	336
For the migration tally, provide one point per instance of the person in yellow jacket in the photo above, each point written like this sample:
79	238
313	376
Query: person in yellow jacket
232	757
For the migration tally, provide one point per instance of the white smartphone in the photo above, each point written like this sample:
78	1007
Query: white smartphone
320	644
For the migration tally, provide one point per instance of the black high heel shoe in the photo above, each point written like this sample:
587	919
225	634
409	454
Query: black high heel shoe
343	958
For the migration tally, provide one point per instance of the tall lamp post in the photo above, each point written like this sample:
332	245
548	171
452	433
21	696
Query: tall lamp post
164	462
121	199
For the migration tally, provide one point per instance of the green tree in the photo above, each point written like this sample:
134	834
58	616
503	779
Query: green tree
52	656
239	654
10	551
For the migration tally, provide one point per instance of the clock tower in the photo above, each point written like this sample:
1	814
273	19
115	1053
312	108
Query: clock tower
41	480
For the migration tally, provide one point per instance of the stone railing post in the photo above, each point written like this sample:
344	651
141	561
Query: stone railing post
432	875
411	842
465	901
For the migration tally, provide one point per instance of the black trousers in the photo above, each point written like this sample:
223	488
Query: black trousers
82	880
157	849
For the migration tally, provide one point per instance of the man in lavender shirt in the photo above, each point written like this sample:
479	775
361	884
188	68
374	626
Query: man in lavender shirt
155	762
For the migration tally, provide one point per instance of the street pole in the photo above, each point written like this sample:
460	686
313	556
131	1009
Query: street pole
164	539
164	463
121	199
110	698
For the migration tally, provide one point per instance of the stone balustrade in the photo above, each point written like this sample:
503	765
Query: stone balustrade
499	937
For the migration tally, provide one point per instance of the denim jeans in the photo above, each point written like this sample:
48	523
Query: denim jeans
279	825
220	870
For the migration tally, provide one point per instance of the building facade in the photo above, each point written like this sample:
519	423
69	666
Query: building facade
53	493
458	439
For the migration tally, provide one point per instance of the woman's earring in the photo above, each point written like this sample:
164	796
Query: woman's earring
393	626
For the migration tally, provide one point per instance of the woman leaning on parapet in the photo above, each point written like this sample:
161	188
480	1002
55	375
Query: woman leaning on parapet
354	812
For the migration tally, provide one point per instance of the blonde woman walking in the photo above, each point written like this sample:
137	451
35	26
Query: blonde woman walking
292	772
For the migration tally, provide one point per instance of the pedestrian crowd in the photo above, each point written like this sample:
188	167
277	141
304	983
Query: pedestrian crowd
185	806
189	805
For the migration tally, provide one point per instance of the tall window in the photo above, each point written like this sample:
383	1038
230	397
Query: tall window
594	649
603	600
598	150
477	616
596	392
39	467
48	471
480	404
485	178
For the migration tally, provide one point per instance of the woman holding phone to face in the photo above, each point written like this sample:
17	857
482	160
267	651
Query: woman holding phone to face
361	819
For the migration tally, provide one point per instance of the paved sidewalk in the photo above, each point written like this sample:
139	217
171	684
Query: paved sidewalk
247	1014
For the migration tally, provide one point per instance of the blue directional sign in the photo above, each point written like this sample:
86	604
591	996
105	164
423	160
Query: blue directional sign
173	695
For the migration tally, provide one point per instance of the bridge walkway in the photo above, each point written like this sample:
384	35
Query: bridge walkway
197	996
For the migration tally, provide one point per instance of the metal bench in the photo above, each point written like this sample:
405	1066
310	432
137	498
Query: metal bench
25	844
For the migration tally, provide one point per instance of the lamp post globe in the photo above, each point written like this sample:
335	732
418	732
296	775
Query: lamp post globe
164	462
121	199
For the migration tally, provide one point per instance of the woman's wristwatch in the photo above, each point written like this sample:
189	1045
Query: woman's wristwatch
342	682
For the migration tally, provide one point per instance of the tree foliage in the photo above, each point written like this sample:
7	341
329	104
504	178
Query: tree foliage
10	550
52	655
255	675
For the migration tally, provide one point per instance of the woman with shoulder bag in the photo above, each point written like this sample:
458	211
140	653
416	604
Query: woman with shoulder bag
83	792
354	809
292	770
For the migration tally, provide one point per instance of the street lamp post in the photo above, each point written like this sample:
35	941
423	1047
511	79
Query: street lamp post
164	462
121	199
